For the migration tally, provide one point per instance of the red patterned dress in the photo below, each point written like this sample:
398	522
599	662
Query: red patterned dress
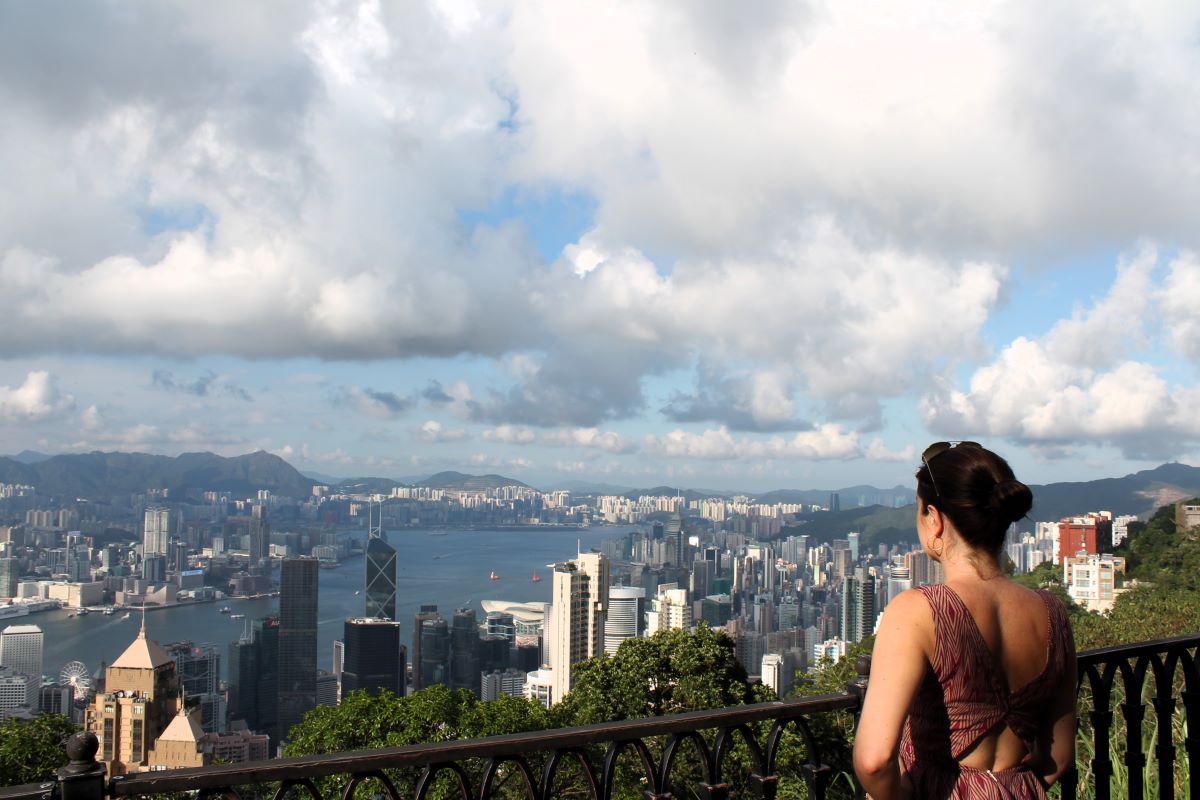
965	696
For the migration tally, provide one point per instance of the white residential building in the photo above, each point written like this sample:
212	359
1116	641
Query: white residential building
1092	579
668	609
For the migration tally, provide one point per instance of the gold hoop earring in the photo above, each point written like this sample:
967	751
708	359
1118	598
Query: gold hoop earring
937	553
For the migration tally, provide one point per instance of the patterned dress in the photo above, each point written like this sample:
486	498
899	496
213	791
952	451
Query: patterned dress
965	696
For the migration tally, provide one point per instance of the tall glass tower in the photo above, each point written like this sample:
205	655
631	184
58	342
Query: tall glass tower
381	572
297	641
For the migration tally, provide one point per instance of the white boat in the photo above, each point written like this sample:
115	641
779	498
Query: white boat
10	611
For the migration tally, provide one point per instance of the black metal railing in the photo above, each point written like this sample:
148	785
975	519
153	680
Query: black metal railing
597	755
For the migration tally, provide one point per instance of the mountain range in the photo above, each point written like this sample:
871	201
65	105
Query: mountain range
100	475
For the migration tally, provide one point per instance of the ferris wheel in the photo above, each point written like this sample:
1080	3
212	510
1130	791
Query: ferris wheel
75	674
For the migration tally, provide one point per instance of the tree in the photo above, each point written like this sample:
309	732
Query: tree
670	672
31	750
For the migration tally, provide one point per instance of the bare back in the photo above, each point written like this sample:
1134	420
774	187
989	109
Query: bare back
1014	623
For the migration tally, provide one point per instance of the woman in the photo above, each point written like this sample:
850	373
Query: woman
972	690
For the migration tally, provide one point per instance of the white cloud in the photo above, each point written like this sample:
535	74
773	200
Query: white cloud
608	441
510	434
434	431
827	442
1179	298
36	399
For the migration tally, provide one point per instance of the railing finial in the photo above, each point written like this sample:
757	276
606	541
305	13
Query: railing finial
83	777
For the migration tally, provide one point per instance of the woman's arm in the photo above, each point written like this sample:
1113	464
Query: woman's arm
898	664
1062	723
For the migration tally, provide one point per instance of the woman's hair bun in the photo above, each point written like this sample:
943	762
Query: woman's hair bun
1012	499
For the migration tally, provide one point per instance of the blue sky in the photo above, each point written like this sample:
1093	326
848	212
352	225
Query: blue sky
786	247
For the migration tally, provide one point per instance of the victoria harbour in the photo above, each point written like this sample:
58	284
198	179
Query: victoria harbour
448	568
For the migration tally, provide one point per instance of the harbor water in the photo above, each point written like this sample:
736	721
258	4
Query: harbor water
449	568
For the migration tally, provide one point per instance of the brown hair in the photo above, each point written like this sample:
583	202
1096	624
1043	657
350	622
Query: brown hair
977	490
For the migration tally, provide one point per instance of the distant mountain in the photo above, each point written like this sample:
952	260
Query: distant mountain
1139	493
321	477
29	457
588	487
366	485
103	474
458	480
877	524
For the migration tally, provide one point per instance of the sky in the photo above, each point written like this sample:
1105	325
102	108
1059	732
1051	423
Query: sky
715	245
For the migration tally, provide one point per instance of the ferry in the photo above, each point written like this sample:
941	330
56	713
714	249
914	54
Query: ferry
10	611
493	576
224	609
237	616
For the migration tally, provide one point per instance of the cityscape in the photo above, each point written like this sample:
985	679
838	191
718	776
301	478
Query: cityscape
400	374
790	601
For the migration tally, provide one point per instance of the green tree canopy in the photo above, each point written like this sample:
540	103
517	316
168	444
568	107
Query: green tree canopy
670	672
31	750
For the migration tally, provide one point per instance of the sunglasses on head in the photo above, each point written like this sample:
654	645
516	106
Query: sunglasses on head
936	449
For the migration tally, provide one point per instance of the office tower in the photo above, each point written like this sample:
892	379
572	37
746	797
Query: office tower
464	651
254	677
157	530
899	579
177	555
701	578
852	540
577	616
327	689
57	699
258	542
674	538
381	575
495	683
435	652
154	568
625	620
10	575
716	609
427	612
199	670
778	673
297	641
374	657
21	651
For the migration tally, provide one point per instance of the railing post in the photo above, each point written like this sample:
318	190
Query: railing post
83	776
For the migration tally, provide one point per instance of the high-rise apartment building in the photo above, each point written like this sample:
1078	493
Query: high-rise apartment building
157	530
1090	533
1092	580
858	606
374	657
21	651
669	608
10	575
297	641
625	618
577	615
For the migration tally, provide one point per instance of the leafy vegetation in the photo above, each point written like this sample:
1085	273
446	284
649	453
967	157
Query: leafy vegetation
31	750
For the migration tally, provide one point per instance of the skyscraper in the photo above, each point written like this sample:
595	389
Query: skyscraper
381	575
374	657
435	652
156	530
427	612
577	616
625	620
21	650
297	641
254	677
258	539
674	537
10	574
464	652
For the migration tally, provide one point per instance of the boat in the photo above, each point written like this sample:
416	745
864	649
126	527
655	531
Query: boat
493	576
224	609
357	593
109	611
128	614
83	612
10	611
237	616
536	578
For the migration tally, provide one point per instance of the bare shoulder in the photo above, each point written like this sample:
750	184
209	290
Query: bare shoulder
907	609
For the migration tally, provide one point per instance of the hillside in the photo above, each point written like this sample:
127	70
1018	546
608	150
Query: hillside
459	480
1139	493
877	524
100	474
